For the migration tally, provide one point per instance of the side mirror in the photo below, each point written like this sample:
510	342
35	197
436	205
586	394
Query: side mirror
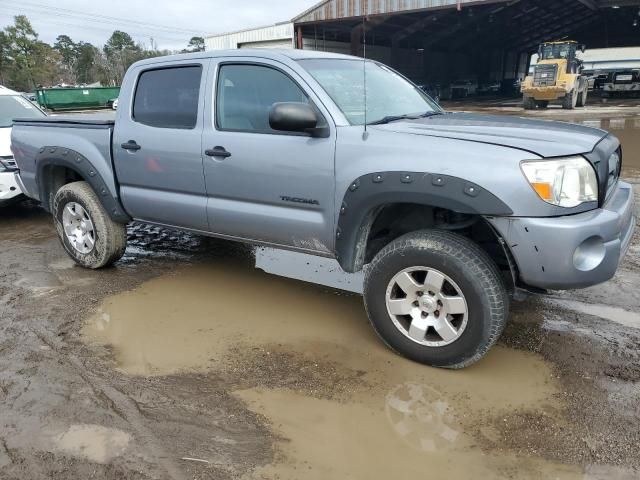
293	117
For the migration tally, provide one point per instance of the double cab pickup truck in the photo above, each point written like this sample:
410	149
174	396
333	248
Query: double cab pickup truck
450	215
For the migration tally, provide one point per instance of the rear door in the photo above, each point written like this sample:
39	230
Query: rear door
157	144
268	186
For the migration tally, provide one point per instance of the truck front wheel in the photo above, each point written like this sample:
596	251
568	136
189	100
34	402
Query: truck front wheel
86	231
570	100
529	103
436	298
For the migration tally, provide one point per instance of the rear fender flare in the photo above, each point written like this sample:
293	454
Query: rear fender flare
65	157
367	195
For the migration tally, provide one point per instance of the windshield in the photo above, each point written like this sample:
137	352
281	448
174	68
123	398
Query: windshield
388	93
556	51
15	106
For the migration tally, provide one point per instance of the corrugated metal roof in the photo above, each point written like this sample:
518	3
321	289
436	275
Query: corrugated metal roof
337	9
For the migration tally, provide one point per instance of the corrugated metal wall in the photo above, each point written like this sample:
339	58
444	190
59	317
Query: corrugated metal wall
336	9
258	36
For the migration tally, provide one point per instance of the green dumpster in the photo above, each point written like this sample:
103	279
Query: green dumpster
76	98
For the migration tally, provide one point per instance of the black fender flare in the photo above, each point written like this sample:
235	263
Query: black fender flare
367	195
75	161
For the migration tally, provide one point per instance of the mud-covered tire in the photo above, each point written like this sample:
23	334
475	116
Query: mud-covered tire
110	238
570	100
473	272
529	103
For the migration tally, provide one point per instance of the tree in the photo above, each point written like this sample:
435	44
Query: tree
22	40
119	42
120	52
5	58
196	44
85	70
69	58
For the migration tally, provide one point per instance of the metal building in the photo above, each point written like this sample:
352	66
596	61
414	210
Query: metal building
274	36
442	41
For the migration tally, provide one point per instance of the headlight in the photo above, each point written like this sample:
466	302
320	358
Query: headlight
566	182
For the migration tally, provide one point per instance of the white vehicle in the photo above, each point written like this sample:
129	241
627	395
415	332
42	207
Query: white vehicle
12	105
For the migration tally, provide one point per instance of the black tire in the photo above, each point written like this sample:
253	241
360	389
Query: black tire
469	267
110	238
570	101
542	104
582	98
529	103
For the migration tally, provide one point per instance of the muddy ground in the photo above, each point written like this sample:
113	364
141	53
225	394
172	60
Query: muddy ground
184	361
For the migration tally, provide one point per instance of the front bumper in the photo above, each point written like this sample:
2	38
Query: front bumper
10	190
577	251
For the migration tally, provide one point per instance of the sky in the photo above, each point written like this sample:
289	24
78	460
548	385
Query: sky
171	23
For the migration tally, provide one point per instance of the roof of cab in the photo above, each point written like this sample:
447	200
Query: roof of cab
6	91
275	54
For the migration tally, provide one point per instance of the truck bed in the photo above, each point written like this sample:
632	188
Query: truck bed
74	143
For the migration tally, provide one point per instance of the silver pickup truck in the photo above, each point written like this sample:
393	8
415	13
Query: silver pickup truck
449	214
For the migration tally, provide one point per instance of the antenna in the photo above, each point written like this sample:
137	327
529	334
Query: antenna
365	134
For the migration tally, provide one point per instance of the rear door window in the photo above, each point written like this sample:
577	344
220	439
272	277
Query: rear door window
168	97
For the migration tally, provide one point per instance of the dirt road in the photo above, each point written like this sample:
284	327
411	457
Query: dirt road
186	362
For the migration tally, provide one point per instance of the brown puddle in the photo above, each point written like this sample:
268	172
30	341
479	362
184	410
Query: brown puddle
400	420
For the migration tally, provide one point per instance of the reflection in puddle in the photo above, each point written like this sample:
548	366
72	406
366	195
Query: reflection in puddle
421	417
627	131
309	268
614	314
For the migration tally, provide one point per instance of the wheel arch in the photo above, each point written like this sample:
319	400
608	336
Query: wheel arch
376	199
57	166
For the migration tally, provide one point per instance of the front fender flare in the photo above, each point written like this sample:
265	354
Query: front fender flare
65	157
368	194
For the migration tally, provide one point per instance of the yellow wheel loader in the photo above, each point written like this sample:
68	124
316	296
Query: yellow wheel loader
556	77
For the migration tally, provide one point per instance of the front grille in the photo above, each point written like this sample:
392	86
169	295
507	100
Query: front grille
545	75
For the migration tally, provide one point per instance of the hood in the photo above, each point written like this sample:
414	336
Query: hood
541	137
5	142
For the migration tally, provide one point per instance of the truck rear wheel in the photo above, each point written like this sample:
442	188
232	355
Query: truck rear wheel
86	231
570	101
436	298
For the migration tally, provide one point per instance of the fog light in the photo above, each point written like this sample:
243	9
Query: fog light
590	254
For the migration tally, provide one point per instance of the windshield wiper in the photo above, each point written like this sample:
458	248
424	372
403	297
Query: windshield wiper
393	118
409	116
431	114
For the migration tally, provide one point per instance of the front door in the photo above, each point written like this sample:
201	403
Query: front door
158	144
264	185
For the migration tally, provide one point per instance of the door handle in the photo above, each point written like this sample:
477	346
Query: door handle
217	152
131	145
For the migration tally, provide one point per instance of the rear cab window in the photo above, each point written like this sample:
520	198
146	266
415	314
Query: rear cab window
168	97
